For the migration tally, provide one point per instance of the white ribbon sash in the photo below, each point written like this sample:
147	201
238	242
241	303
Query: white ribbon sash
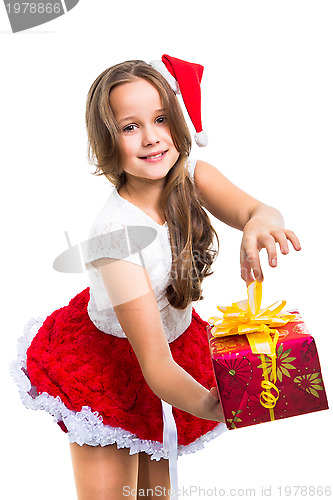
170	445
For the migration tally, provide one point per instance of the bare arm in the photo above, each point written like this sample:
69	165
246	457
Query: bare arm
138	314
222	198
262	225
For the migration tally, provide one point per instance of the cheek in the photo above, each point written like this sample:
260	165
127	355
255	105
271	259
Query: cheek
168	139
128	146
171	143
168	134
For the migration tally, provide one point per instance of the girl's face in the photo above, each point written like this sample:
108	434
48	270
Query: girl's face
146	146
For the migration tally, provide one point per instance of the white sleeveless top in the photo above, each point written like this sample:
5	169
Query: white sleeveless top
109	237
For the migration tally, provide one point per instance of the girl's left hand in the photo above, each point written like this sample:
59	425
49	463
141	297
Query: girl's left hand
258	234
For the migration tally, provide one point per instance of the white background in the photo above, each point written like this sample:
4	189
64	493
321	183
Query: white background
267	107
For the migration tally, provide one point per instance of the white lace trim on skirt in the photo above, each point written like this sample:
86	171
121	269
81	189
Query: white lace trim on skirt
85	426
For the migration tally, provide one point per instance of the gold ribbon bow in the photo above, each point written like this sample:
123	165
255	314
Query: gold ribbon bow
246	317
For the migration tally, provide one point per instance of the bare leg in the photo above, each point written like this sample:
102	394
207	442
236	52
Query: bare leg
103	472
153	478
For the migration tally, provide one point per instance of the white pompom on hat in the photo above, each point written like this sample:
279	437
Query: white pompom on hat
185	78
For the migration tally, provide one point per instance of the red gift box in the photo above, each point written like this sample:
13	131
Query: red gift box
256	388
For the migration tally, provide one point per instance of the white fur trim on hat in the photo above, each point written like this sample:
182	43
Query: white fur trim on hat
161	68
201	138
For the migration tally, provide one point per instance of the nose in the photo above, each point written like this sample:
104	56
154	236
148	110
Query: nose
150	136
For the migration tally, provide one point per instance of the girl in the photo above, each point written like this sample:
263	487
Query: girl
108	364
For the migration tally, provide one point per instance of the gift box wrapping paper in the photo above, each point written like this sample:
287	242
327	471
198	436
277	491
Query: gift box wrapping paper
240	375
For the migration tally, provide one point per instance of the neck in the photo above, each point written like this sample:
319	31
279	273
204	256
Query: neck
144	194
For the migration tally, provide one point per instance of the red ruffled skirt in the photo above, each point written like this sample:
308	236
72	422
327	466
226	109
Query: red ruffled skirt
92	382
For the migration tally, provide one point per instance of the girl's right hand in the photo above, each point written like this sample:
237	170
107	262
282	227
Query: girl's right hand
211	406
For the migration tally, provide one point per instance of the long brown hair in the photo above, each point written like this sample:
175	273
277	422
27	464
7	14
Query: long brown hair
191	232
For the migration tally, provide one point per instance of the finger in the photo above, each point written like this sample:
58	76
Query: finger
214	392
253	261
281	239
293	238
268	241
246	272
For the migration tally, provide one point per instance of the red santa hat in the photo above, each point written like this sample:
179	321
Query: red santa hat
185	78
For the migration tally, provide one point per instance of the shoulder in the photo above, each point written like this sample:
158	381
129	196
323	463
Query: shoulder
204	177
203	171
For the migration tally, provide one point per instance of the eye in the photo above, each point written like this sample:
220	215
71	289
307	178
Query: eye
161	119
129	128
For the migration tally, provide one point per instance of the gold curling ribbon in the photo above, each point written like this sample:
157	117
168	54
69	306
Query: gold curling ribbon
246	317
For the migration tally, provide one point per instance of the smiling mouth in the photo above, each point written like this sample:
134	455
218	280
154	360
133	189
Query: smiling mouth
149	157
